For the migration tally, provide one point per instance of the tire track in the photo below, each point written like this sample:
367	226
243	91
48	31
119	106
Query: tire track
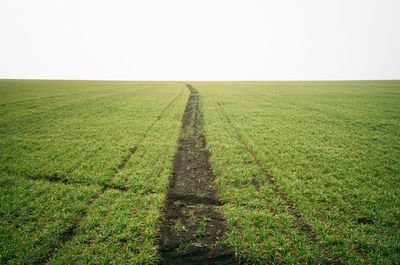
301	223
135	94
133	149
57	179
69	233
193	227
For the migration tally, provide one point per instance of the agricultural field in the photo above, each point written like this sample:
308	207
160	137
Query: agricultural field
115	172
309	171
84	169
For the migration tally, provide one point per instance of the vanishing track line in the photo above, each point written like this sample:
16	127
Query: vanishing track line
134	148
301	223
69	233
192	228
57	179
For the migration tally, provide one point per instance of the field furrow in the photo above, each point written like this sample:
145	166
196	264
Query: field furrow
193	228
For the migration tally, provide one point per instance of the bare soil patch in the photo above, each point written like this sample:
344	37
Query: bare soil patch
193	227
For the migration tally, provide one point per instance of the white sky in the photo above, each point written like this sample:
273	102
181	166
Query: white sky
200	40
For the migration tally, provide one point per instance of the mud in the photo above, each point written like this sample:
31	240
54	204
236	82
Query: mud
193	229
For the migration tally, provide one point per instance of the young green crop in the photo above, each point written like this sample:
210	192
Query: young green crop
80	130
33	214
110	143
332	148
123	227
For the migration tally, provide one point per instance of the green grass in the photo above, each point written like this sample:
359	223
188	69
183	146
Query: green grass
75	130
81	131
33	215
123	228
332	147
119	228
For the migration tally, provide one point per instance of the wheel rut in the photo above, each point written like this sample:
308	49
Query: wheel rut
193	229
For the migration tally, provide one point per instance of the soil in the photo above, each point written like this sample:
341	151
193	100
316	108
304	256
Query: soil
193	229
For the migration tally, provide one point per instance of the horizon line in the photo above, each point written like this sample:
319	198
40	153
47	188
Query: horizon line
201	80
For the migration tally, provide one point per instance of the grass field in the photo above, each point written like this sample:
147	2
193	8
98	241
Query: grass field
307	172
333	149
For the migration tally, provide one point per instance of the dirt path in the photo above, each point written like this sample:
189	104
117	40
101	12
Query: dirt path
193	227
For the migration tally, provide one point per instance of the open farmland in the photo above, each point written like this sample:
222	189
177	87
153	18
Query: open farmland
84	169
287	172
309	172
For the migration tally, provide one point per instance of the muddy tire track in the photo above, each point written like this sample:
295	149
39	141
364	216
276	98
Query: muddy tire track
300	221
193	227
70	231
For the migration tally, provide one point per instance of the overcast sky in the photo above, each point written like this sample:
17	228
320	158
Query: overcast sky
200	40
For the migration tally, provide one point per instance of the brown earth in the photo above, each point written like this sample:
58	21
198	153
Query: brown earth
193	228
